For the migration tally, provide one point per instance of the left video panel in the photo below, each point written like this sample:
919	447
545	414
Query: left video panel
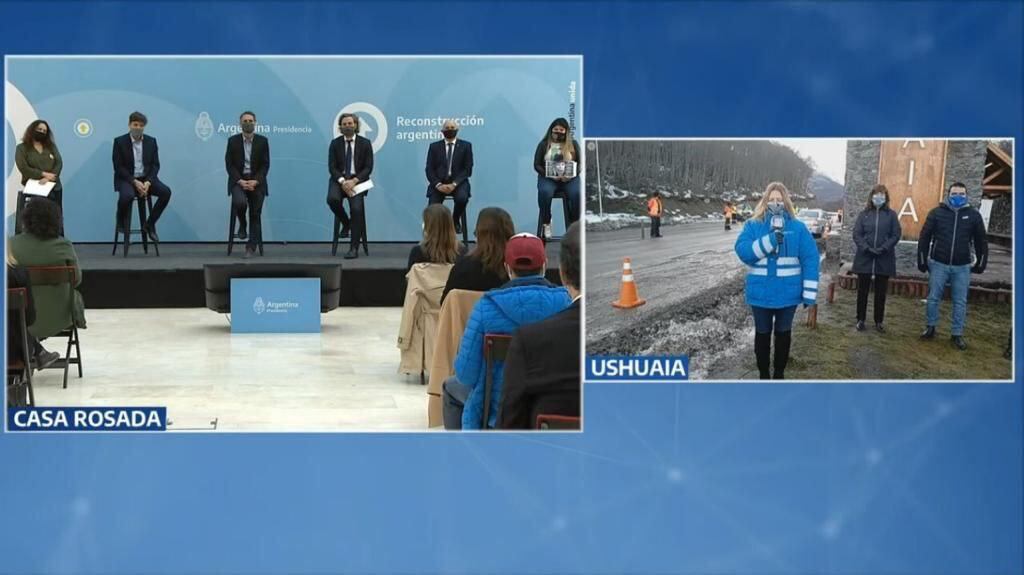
177	229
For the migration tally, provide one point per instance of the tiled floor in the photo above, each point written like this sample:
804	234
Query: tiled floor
344	379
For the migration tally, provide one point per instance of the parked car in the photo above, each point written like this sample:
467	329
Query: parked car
815	220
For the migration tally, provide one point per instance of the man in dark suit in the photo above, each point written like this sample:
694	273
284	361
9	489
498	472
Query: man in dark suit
449	167
542	369
136	160
248	161
350	161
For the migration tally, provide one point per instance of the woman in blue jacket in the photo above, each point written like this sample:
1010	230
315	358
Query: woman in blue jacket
783	260
875	234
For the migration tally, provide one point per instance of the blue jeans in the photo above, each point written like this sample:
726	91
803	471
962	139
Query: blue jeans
959	278
767	320
546	188
454	394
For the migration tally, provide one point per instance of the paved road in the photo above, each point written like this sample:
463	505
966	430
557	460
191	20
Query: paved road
689	258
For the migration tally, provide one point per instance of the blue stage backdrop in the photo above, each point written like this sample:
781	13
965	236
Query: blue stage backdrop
504	106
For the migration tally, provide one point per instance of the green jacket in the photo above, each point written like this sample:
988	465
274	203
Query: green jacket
51	302
32	164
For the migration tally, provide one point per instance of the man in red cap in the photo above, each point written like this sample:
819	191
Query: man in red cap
526	298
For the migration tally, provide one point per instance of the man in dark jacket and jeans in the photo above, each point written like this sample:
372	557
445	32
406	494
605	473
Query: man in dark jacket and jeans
944	251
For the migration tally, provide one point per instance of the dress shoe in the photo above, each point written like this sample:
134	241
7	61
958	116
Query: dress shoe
352	254
958	342
879	328
150	231
45	359
242	234
928	333
345	232
249	252
860	325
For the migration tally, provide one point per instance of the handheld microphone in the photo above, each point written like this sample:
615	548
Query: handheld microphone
778	222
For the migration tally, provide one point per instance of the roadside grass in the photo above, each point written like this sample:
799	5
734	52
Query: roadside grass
836	350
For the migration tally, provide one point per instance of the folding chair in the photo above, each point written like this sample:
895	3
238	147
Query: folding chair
495	350
19	371
557	422
57	276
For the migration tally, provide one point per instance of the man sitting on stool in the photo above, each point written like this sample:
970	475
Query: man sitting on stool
350	161
248	160
449	167
136	165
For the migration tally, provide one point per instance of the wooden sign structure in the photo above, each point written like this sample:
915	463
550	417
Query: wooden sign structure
915	173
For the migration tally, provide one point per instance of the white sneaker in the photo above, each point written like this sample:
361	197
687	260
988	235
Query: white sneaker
547	231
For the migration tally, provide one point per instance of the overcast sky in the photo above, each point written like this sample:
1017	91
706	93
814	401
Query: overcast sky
828	154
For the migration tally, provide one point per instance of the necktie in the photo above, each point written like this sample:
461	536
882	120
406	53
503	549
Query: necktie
348	157
448	159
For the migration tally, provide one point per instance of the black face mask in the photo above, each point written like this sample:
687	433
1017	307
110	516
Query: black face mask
450	134
248	127
347	132
556	137
39	136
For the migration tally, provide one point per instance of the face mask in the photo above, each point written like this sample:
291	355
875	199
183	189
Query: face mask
879	201
957	201
39	136
248	127
450	134
775	208
348	132
556	137
135	132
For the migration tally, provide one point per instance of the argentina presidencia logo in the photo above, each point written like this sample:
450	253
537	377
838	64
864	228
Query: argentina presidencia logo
204	126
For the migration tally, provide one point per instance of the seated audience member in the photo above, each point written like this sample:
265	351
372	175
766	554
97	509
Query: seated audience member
542	369
483	268
526	298
17	277
439	245
41	244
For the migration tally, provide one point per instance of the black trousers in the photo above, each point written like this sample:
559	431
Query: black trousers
126	194
253	201
655	226
335	199
881	290
461	196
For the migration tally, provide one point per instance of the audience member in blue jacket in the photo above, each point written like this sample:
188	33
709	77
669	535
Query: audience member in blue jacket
783	260
526	298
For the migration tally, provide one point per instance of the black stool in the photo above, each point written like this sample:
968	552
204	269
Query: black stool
337	230
559	195
462	220
232	219
125	228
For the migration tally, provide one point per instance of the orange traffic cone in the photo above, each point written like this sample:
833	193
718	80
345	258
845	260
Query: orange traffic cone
628	297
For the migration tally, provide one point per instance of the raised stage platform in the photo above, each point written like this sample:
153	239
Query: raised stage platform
175	279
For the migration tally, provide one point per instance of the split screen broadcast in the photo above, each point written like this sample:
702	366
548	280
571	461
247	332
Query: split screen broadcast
270	255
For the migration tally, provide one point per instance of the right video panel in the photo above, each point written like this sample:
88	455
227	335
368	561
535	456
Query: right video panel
803	259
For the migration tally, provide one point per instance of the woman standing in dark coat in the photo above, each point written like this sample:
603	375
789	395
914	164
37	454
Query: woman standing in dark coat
876	233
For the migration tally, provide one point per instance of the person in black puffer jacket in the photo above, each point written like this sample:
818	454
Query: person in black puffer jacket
944	251
876	233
